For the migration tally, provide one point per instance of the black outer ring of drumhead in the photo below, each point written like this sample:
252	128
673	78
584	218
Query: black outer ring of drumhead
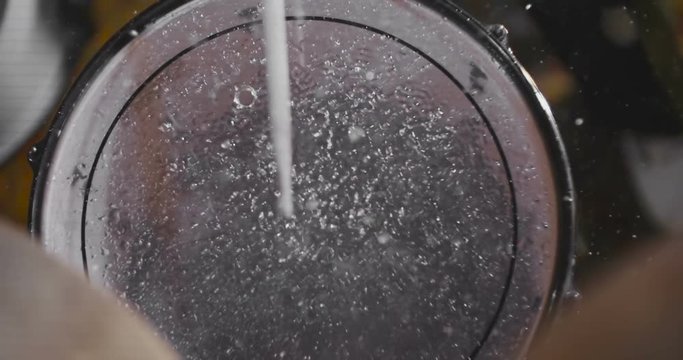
523	83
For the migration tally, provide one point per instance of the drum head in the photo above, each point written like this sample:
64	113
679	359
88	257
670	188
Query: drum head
433	208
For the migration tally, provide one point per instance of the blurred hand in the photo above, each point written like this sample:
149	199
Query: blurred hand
46	312
633	312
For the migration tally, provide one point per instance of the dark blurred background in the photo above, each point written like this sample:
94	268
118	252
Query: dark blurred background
611	70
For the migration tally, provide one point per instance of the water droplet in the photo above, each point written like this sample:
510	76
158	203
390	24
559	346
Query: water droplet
245	96
133	33
312	204
383	238
572	294
166	126
356	133
127	82
579	122
527	7
227	144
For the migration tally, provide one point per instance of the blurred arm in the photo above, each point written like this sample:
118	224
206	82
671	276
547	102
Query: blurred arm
46	312
634	312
